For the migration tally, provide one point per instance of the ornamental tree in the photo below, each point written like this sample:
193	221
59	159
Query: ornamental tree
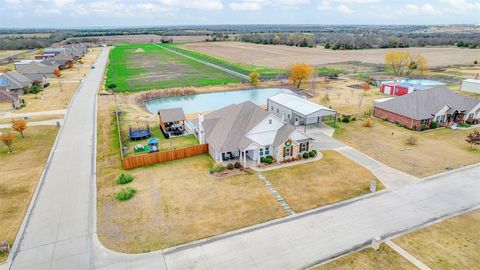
19	126
299	73
473	138
7	139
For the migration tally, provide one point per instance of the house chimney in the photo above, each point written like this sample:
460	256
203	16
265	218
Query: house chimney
201	131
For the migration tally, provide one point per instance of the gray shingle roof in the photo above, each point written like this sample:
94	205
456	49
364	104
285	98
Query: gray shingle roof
226	128
172	115
6	96
424	104
16	80
283	134
34	68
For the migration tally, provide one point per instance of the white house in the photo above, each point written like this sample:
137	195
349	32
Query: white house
247	132
297	111
471	85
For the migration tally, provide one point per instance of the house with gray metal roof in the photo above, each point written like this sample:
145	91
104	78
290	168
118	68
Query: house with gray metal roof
440	105
36	68
247	132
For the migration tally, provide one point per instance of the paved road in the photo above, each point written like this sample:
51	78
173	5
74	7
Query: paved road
57	232
306	239
229	71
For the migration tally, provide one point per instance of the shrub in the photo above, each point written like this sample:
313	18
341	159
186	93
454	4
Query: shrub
125	194
312	153
367	122
411	140
262	159
268	160
306	155
433	125
423	127
217	169
354	119
237	165
399	125
270	157
46	85
230	166
414	128
124	179
475	62
346	118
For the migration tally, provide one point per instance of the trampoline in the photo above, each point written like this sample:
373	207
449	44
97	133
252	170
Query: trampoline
137	134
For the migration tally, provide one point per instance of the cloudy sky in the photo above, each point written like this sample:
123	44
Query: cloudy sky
87	13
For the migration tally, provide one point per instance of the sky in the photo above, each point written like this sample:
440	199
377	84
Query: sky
118	13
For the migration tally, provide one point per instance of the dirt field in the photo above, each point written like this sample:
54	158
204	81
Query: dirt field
277	56
20	172
147	38
435	151
5	54
176	202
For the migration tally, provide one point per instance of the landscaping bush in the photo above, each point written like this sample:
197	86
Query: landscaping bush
230	166
346	118
475	62
433	125
268	160
237	165
354	119
411	140
312	153
124	179
270	157
262	159
46	85
414	128
367	122
125	194
464	125
423	127
217	169
306	155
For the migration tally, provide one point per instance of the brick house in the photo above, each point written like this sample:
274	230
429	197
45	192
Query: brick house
440	105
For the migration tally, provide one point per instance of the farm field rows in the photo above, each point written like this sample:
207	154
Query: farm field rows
136	67
277	56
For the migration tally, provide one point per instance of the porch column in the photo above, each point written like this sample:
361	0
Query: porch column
258	156
244	157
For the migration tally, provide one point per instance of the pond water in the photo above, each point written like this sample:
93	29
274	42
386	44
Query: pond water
421	82
213	101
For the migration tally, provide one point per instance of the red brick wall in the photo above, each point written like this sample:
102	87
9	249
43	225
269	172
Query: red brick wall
396	118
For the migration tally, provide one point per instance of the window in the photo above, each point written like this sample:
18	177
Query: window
278	111
424	121
267	151
470	116
440	119
261	152
288	116
303	147
271	107
269	121
287	151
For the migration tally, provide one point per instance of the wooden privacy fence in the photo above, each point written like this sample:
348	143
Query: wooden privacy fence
159	157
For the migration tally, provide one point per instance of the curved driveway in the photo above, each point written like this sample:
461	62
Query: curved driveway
59	229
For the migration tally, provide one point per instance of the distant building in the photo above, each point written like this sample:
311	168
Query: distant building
403	87
15	82
440	105
35	68
8	100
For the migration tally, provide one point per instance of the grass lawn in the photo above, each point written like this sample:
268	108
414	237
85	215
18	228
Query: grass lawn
369	259
20	172
434	152
450	244
331	179
176	202
265	72
154	67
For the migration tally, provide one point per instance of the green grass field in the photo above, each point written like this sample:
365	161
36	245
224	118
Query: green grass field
137	67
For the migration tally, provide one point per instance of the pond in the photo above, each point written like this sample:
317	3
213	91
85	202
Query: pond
213	101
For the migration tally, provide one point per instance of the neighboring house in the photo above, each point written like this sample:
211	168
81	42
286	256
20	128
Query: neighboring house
37	68
248	132
440	105
24	63
170	117
400	88
471	85
44	56
9	100
53	51
296	110
38	78
16	82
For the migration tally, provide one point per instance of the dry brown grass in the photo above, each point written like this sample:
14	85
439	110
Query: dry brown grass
147	38
451	244
369	259
331	179
277	56
7	53
176	202
20	172
434	152
32	118
58	98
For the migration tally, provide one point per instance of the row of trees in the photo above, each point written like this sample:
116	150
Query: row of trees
347	41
